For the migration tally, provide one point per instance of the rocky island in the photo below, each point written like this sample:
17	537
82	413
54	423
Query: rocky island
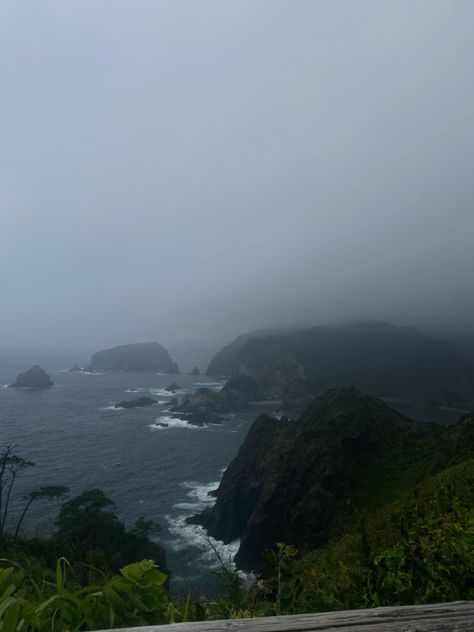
35	377
142	356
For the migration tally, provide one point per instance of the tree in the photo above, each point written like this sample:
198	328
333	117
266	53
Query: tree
144	528
48	492
86	522
10	465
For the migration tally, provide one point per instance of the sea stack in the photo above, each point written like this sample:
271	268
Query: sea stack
35	377
75	369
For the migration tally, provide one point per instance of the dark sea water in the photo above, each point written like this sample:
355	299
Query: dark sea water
76	438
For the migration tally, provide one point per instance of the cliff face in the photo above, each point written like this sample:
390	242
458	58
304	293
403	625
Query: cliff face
302	482
225	361
145	356
378	358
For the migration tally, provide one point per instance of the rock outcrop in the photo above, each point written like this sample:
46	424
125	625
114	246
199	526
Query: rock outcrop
173	387
75	369
195	371
143	356
140	402
302	481
35	377
201	407
207	405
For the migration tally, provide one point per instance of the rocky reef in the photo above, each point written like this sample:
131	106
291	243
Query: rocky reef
139	402
302	481
143	356
173	387
207	405
35	377
75	369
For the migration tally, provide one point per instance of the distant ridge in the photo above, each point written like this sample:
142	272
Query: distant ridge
379	358
224	361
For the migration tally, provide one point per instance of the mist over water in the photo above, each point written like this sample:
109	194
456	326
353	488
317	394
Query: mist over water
187	171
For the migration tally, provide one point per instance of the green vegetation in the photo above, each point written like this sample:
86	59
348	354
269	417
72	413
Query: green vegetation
92	573
419	549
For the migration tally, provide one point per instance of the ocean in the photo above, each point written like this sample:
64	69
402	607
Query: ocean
76	437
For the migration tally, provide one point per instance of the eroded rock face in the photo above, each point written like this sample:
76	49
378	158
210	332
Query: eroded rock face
301	482
35	377
140	402
143	356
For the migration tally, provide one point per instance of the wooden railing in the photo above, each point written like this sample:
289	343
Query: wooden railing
443	617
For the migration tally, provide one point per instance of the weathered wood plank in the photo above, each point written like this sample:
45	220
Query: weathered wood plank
456	616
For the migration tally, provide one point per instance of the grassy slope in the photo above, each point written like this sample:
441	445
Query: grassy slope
418	549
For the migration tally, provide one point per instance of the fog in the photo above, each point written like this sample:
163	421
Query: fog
185	171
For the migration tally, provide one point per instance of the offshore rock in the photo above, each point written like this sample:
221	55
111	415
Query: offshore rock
33	378
143	356
136	403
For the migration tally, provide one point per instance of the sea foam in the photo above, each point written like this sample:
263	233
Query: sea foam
171	422
212	551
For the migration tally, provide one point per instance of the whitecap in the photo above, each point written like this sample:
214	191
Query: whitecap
194	536
161	392
171	422
215	386
212	552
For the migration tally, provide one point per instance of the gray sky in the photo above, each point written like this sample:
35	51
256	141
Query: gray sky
182	170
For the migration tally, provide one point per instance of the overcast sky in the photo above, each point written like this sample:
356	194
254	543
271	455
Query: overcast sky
190	170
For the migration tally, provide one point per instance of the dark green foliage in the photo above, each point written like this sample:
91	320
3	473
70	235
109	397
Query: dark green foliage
88	531
419	549
136	596
304	482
